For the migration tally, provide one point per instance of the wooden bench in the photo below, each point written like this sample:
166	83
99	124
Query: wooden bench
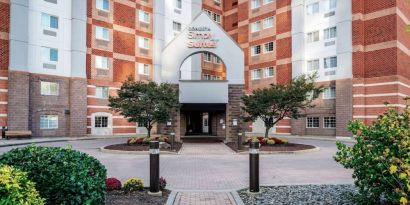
18	134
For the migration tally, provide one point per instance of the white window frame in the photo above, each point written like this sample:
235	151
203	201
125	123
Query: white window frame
256	74
101	62
332	61
46	55
313	36
267	2
102	92
46	21
46	88
311	126
267	45
49	122
176	25
331	4
254	49
311	8
329	93
330	33
142	15
101	120
143	42
268	73
328	120
310	65
255	4
207	57
102	33
178	4
268	20
99	4
143	69
256	26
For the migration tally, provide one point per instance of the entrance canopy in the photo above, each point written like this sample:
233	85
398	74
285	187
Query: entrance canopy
203	35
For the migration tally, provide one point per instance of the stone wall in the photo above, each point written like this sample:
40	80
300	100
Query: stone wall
233	111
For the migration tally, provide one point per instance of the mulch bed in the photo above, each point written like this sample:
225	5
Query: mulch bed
135	198
126	147
289	147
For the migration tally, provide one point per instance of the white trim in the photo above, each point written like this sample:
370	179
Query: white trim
4	78
97	106
379	106
380	95
379	84
3	115
125	126
3	103
4	90
365	116
284	126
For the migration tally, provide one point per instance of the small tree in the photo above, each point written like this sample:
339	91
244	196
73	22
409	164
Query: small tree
279	101
146	103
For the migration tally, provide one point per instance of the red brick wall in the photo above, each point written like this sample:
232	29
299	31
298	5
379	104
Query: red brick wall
4	58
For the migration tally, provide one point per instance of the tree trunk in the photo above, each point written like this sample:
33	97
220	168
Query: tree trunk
267	131
149	130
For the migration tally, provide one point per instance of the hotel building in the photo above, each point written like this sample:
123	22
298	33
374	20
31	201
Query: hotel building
61	59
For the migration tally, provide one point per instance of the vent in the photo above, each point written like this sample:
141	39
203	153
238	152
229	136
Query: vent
328	73
102	72
102	13
235	24
332	13
255	10
217	3
178	11
49	33
51	1
255	34
144	51
49	66
330	43
144	25
235	3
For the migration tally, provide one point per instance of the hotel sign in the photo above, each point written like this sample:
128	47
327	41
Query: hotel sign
201	37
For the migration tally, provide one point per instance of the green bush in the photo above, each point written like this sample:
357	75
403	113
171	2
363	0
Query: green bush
16	188
380	158
62	176
133	184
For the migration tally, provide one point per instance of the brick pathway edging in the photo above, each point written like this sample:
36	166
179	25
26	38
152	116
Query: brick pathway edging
177	198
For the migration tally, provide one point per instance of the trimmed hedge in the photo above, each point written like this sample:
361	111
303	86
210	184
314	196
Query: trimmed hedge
62	176
16	188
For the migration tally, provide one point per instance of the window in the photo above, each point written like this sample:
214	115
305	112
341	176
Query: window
312	122
101	121
217	60
269	72
144	16
143	69
268	47
330	33
256	74
102	33
49	21
313	36
48	121
217	18
207	57
176	26
103	5
101	92
313	65
313	8
255	4
267	1
143	42
329	122
268	22
178	4
329	93
207	77
49	54
331	62
101	62
331	4
256	26
49	88
256	50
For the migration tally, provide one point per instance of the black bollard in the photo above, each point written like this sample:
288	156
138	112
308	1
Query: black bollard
254	167
240	141
154	167
3	132
172	141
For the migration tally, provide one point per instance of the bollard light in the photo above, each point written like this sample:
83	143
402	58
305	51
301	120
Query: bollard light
3	132
254	167
172	140
240	141
154	167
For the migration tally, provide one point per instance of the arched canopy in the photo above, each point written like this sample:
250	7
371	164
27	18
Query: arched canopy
203	35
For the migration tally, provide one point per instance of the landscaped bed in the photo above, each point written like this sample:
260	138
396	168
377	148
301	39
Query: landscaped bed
271	144
135	198
300	194
142	144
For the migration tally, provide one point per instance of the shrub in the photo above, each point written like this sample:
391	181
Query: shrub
162	183
380	159
112	184
62	176
134	184
135	140
265	141
270	142
16	188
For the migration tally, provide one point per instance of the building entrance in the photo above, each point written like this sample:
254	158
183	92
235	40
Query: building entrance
203	119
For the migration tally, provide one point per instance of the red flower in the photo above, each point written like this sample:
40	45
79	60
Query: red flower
113	184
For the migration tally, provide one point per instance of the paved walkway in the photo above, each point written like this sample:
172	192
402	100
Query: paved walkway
204	198
216	148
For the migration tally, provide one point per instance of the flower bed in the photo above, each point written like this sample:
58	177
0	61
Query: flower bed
271	144
142	144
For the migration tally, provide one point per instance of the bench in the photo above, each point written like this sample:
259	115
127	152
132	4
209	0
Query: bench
18	134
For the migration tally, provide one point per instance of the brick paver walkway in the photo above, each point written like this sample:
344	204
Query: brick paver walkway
190	148
204	198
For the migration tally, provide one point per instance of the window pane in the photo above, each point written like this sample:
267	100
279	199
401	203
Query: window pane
53	22
53	54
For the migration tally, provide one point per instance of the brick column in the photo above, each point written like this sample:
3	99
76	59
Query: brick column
344	106
78	107
233	111
18	101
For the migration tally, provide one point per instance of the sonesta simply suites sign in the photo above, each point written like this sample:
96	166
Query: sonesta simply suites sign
201	37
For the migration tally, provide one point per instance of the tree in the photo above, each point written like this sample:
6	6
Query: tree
279	101
145	103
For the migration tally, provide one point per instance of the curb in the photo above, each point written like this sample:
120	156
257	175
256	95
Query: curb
171	198
102	149
237	198
315	149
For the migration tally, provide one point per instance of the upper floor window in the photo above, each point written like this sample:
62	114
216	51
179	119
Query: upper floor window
214	16
143	42
48	88
103	5
101	92
255	4
256	26
49	54
143	69
313	65
267	1
313	36
269	72
208	57
330	33
101	62
178	4
256	74
331	4
102	33
49	21
48	121
176	26
330	62
268	22
256	50
329	93
313	8
268	47
144	16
